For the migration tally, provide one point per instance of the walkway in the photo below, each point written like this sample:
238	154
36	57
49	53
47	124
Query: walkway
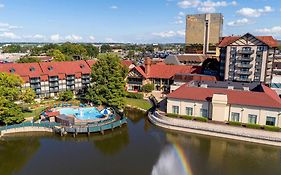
217	130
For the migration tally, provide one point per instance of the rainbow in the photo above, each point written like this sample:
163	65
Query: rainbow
183	159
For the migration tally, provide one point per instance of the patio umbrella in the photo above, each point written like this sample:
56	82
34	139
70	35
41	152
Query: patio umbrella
105	112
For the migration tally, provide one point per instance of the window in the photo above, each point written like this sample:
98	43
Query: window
204	113
12	70
32	69
235	117
175	109
189	111
260	48
252	119
270	121
50	68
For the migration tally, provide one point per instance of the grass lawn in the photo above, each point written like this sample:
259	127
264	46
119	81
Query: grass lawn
34	112
144	104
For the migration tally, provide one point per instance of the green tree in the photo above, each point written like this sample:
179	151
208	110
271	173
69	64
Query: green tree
10	92
58	56
27	95
147	88
105	48
29	60
66	96
92	51
15	48
108	76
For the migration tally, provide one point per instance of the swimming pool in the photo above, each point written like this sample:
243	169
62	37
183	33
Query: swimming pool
82	113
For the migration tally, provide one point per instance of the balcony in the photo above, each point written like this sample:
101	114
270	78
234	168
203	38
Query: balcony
69	83
248	52
70	78
85	76
239	72
135	82
245	58
54	84
85	81
240	65
53	90
70	88
35	80
53	79
35	86
242	79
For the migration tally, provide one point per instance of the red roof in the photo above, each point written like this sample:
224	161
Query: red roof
65	68
167	71
264	99
127	63
269	40
25	70
91	62
53	114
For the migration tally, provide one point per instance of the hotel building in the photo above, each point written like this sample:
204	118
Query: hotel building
247	58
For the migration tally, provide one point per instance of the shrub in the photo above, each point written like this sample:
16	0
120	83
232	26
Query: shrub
234	123
173	115
201	119
66	96
187	117
147	88
271	128
254	126
134	95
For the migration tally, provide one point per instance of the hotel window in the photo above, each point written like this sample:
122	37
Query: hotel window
260	48
235	117
204	113
252	119
175	109
270	121
189	111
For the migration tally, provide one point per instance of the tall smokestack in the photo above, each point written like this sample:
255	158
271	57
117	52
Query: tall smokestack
147	64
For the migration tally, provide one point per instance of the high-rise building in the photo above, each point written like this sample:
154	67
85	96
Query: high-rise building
247	58
203	32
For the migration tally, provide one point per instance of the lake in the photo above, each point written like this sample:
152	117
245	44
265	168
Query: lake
139	148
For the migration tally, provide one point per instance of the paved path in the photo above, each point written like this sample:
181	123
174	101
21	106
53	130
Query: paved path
230	132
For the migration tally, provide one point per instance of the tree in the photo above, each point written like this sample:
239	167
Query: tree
29	60
27	95
58	56
66	96
10	92
15	48
108	82
147	88
105	48
92	51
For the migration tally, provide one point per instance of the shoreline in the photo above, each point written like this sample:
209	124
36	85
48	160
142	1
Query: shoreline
228	132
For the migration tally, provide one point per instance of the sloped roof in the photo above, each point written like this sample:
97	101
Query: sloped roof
25	70
268	98
269	40
127	63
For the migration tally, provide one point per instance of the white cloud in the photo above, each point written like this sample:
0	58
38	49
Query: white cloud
276	31
208	6
239	22
73	38
206	9
5	27
2	5
92	38
55	37
250	12
114	7
38	36
169	34
181	14
110	40
9	35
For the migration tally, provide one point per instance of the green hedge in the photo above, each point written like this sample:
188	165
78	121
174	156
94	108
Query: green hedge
271	128
134	95
186	117
234	123
253	126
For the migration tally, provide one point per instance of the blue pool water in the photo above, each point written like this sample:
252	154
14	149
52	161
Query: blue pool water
82	113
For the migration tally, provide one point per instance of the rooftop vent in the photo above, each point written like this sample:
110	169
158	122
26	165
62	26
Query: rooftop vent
32	69
50	68
246	88
82	66
12	70
204	86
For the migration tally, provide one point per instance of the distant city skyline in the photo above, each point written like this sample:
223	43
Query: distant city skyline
139	21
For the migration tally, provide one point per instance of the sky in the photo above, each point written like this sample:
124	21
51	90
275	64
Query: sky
130	21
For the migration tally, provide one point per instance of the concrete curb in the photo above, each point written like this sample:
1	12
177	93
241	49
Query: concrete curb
261	137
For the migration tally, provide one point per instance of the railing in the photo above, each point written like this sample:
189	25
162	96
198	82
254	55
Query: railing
244	72
245	58
244	65
29	124
135	82
246	51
